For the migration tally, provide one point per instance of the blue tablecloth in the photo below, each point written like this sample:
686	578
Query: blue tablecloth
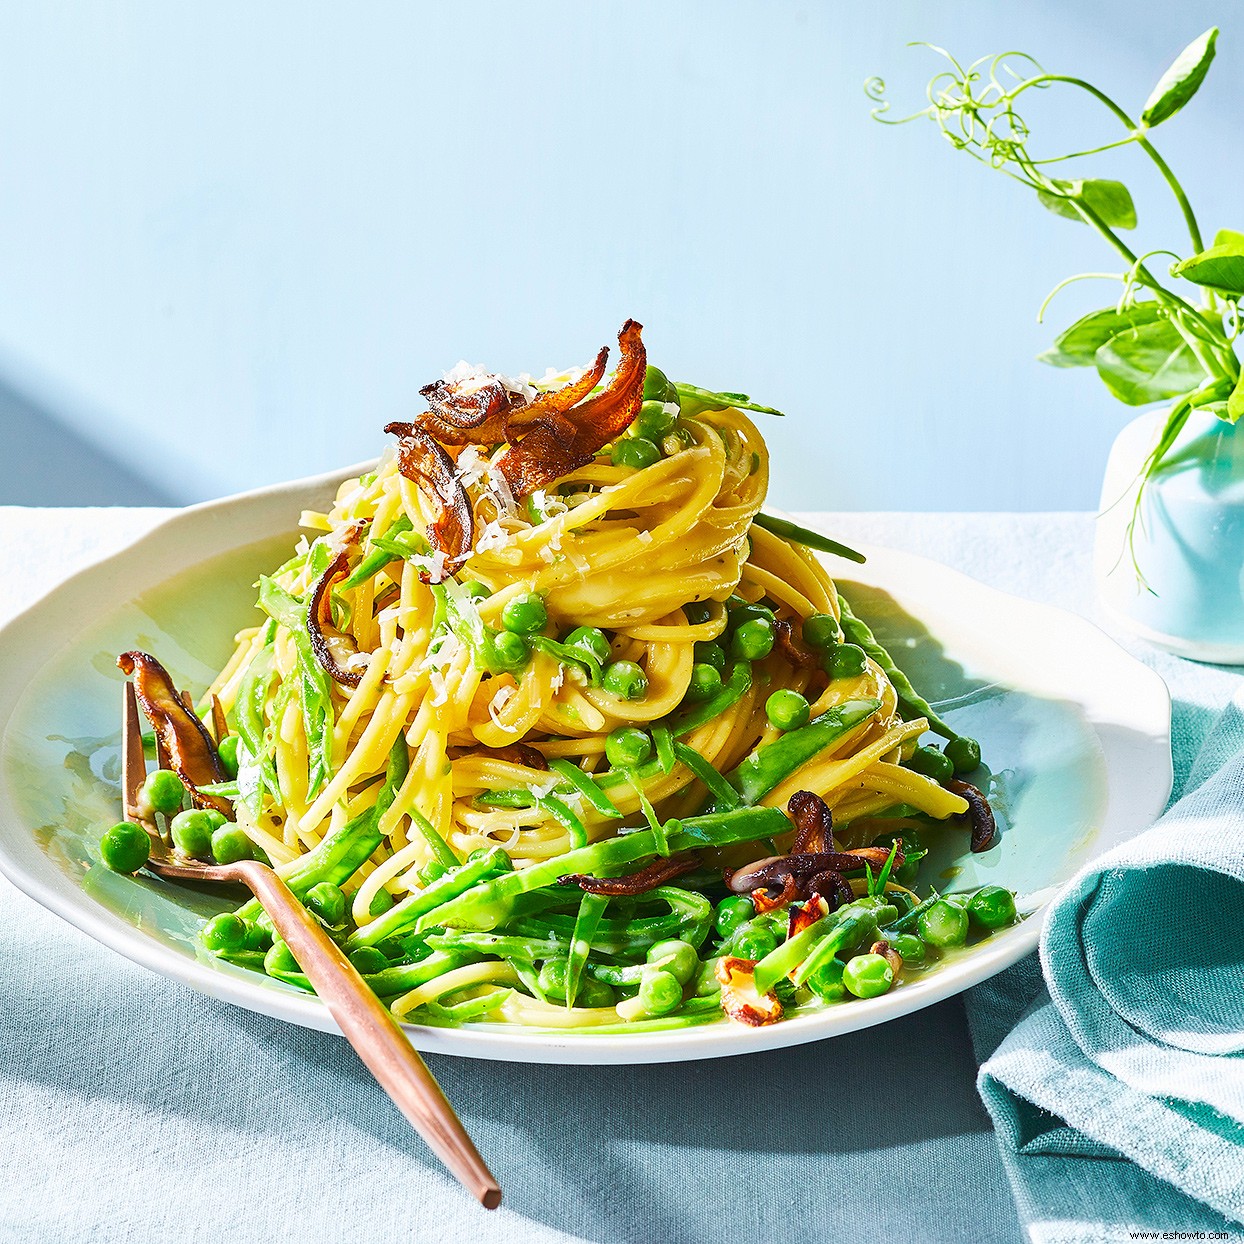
132	1109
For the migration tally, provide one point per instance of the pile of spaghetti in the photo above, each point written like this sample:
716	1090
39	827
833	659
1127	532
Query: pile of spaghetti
549	725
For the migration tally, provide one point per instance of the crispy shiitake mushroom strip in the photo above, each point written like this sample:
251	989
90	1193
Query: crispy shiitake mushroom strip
452	532
561	442
980	814
462	412
482	412
813	819
179	732
655	874
327	646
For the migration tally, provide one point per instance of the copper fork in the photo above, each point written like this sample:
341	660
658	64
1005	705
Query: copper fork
364	1020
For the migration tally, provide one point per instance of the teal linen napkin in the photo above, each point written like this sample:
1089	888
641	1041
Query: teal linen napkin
1119	1100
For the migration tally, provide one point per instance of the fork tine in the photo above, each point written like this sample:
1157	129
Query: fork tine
133	762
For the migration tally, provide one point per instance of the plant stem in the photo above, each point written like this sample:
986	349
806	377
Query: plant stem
1150	150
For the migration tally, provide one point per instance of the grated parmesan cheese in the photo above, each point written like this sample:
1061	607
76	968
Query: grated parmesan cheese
644	537
441	652
440	692
471	466
557	379
550	507
498	486
435	564
494	536
469	377
497	703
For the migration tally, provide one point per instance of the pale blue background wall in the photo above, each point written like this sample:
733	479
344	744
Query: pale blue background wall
236	238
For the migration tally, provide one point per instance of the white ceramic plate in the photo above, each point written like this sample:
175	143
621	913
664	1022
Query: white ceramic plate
1076	732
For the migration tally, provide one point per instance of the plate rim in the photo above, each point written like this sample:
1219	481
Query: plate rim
549	1046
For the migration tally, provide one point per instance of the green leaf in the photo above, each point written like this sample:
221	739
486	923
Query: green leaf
1221	267
1182	80
1235	403
1148	364
1111	200
1077	346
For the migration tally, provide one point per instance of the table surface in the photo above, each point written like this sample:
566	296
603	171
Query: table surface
116	1082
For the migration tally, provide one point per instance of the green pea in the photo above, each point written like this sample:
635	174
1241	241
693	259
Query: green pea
162	791
125	848
512	650
192	833
659	992
709	652
654	421
525	615
755	943
749	613
943	924
910	947
227	750
733	911
932	763
280	959
753	641
625	680
230	844
676	957
552	978
697	612
846	661
593	993
787	710
705	682
226	934
868	976
258	936
635	452
327	901
826	981
627	747
381	901
992	907
960	898
477	590
964	754
367	961
820	631
655	383
591	639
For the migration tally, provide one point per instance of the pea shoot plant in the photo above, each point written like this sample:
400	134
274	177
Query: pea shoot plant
1165	338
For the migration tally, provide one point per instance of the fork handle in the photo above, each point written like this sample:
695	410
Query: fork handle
370	1028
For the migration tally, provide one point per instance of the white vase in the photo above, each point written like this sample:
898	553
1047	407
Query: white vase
1188	542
